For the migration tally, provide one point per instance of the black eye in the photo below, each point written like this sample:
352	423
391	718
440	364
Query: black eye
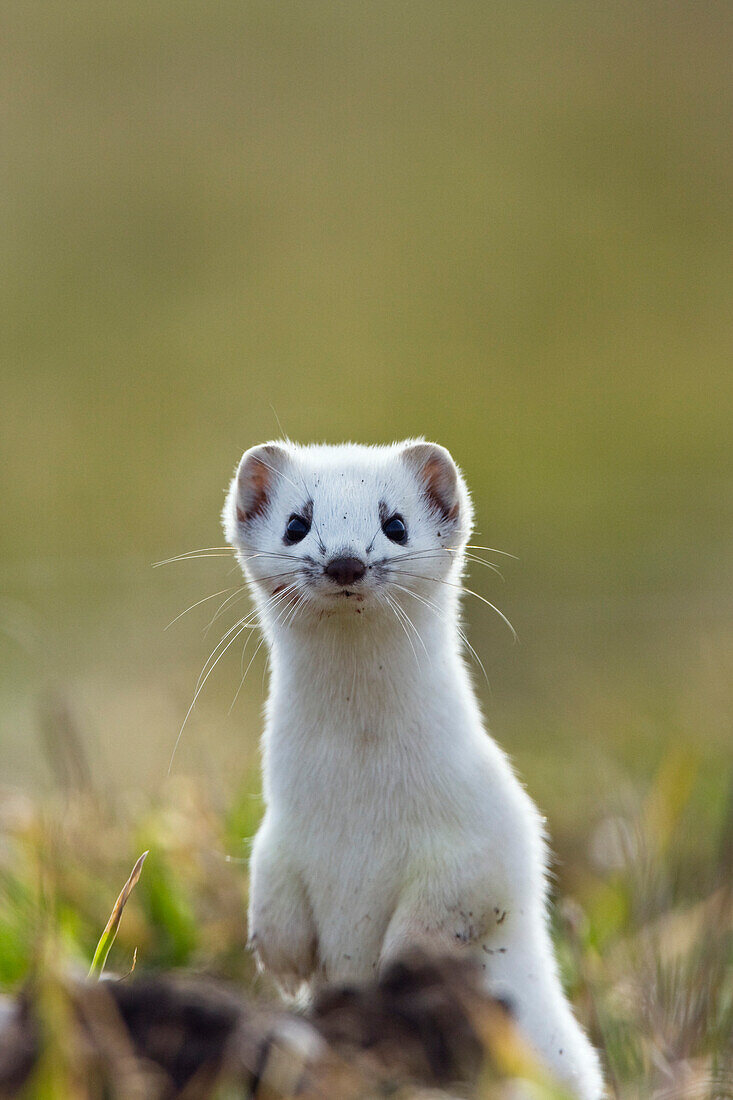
297	528
395	530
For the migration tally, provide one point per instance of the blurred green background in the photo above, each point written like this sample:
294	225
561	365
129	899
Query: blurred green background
504	226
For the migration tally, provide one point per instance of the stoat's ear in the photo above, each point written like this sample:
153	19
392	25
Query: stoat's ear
255	481
438	476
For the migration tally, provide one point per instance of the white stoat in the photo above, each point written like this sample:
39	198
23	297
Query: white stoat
392	817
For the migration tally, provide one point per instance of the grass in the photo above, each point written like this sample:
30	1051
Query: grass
645	943
110	929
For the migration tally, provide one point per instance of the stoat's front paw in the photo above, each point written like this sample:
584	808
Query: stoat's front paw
282	931
288	953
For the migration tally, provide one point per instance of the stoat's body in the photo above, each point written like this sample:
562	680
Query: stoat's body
392	817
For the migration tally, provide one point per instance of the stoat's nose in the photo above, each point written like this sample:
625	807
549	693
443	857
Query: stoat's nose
345	570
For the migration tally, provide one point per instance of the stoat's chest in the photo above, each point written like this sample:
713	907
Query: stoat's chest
358	762
356	828
369	788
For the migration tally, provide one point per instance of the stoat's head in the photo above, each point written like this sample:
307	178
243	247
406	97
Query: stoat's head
344	528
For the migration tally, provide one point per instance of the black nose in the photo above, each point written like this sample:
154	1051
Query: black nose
346	570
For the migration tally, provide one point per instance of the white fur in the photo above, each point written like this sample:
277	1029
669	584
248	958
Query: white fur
392	817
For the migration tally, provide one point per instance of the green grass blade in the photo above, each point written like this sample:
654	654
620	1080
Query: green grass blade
108	936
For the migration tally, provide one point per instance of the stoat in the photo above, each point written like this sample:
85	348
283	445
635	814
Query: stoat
392	817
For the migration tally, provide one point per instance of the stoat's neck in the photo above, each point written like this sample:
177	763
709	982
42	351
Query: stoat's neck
375	657
359	707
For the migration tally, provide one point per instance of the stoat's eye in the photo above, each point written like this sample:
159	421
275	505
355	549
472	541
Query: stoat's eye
297	528
395	530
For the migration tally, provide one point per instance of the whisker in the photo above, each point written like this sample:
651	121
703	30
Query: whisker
493	607
198	691
242	590
414	628
459	629
244	623
286	439
436	551
475	559
193	555
462	588
270	604
251	660
278	472
258	647
492	550
385	600
393	606
257	553
297	606
217	552
417	633
284	573
464	638
198	604
373	539
437	611
429	554
236	630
